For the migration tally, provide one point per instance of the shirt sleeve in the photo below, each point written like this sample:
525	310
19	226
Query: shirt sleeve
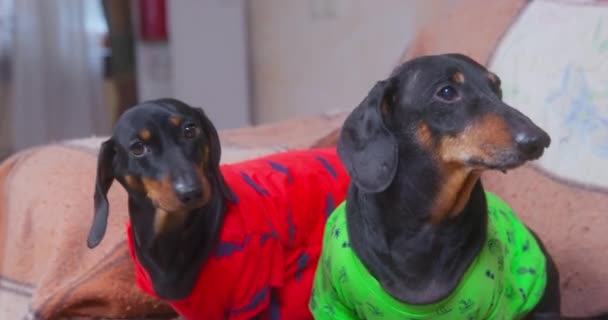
325	301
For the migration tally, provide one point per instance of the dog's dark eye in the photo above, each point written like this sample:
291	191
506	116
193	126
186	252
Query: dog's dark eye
138	148
447	93
190	131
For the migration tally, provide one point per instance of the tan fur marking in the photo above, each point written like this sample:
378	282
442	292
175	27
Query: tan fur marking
482	140
457	184
385	106
170	211
145	134
160	221
458	77
424	136
465	192
175	120
164	221
496	132
132	182
492	77
160	192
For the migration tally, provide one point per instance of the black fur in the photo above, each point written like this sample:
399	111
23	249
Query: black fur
173	258
396	177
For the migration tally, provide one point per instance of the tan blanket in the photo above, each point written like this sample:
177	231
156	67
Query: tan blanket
46	193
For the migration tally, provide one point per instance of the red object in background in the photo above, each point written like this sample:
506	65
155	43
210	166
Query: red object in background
152	20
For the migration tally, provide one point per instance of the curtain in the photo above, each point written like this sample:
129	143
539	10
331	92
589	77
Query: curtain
6	38
57	71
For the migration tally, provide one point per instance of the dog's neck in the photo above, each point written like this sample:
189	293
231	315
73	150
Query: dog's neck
416	257
173	259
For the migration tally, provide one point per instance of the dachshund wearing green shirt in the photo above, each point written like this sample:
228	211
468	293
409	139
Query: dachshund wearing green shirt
418	237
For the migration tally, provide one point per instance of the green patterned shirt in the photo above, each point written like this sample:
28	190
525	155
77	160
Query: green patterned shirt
505	281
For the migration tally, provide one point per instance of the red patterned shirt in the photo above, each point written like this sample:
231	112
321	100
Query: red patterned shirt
271	239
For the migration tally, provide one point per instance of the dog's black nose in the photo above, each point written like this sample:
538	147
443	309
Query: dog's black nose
531	145
187	193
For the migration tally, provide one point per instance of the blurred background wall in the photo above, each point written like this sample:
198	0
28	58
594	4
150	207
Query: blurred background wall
70	67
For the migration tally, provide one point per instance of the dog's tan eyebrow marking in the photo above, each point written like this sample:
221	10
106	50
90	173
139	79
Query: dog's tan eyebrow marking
492	76
458	77
145	134
384	108
175	120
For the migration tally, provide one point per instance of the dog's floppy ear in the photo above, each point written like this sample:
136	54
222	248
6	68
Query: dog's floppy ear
366	147
215	154
103	181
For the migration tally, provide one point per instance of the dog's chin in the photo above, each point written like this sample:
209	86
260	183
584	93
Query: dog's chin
169	219
178	209
503	162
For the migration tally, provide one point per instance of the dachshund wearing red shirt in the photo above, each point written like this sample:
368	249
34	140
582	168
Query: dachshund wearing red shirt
237	241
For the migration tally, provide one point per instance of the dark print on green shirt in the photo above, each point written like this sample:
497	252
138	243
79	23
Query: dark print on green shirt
505	281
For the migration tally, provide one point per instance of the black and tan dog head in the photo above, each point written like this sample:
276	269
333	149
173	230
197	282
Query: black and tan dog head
447	106
164	153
